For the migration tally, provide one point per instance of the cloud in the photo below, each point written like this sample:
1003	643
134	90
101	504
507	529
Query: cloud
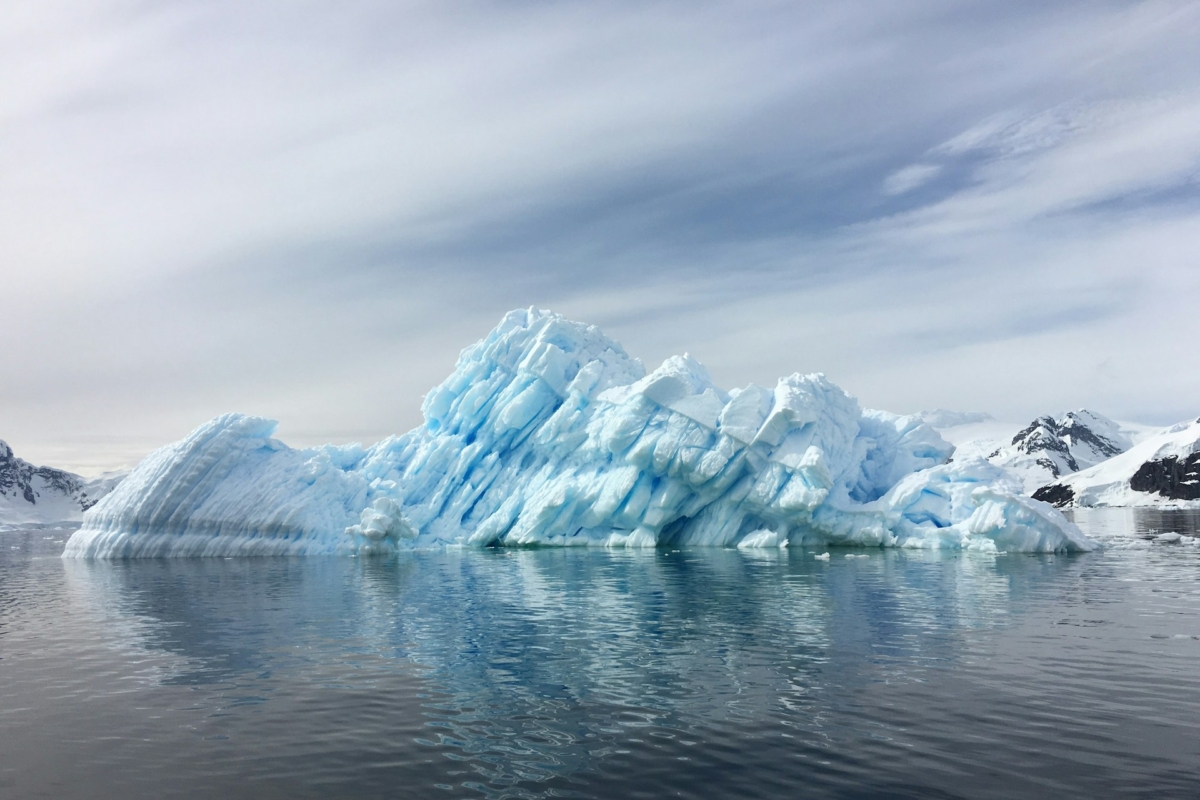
909	178
209	206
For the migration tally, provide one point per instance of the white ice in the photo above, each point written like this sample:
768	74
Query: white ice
547	433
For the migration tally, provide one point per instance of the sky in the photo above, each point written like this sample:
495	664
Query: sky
306	210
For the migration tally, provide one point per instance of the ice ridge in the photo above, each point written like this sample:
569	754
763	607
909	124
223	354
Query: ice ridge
548	433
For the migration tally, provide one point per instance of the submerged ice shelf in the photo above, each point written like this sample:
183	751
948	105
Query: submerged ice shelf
547	433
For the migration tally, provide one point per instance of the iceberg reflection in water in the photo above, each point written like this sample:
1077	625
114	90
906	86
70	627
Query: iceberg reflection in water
537	673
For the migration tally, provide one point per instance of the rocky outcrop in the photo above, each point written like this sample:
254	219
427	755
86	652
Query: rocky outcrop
1055	494
1172	477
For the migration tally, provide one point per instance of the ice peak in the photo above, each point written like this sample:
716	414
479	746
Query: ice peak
546	355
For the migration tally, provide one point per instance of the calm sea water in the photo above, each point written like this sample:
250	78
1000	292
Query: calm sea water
551	673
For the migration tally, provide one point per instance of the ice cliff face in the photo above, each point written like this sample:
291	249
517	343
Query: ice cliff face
547	433
32	495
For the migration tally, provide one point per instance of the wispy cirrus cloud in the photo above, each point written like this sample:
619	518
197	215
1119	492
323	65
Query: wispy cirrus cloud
908	178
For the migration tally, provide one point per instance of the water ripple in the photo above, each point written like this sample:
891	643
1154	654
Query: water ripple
537	674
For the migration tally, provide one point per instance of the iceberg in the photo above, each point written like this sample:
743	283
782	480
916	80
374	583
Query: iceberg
548	433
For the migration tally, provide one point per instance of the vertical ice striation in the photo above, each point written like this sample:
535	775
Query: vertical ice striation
547	433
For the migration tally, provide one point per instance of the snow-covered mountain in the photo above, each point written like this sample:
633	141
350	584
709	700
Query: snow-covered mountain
1163	470
1049	448
1042	451
30	494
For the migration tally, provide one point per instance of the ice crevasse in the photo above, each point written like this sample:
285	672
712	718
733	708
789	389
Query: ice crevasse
548	433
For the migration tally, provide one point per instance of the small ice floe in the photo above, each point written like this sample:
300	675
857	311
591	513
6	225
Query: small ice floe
857	555
822	557
1168	538
382	525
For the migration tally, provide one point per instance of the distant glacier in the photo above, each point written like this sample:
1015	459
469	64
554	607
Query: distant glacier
547	433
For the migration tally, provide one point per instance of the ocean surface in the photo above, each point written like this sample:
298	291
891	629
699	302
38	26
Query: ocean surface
572	673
